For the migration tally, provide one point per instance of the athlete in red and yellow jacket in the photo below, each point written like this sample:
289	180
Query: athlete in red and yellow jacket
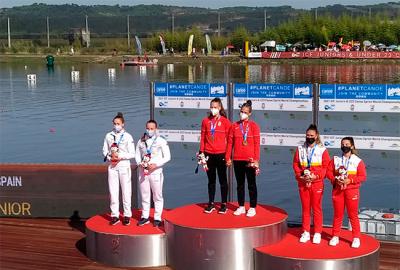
244	138
309	164
213	141
346	174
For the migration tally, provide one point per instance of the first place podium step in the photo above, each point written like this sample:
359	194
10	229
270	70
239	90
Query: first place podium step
198	241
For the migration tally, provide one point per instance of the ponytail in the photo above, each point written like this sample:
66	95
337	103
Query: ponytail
314	128
247	104
119	116
222	112
354	151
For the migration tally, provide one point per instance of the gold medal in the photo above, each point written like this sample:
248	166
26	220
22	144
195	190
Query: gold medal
244	142
212	138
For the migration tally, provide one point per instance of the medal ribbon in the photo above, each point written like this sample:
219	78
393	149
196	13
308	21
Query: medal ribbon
244	133
347	163
309	157
213	126
148	149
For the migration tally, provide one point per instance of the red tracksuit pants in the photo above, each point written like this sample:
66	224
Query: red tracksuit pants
311	199
348	198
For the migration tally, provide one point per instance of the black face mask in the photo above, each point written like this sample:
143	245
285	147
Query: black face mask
310	140
345	149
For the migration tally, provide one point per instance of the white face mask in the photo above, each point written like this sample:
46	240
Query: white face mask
150	133
118	128
243	116
214	111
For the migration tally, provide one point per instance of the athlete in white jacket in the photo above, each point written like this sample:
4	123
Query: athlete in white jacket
152	152
118	149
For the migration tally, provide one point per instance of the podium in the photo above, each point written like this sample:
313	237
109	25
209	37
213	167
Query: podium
192	239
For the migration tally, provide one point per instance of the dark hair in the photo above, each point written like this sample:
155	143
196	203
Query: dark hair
152	121
351	140
219	101
248	105
119	116
314	128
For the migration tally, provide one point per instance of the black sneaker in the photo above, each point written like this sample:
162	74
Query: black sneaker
126	221
157	223
210	207
143	221
114	221
223	209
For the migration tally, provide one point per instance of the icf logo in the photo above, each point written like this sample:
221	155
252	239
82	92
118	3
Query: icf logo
330	107
163	104
329	143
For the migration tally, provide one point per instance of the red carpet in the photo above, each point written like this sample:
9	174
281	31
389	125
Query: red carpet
100	223
194	217
290	247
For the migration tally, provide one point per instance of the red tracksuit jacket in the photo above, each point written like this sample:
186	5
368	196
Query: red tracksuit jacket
218	145
235	139
356	171
319	164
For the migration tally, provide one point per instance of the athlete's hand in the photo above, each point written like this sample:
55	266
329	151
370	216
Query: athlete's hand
152	167
228	162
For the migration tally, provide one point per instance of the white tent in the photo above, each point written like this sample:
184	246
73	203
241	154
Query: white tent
268	43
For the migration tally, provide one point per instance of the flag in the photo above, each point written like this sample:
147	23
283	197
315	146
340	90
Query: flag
208	41
190	45
138	46
164	51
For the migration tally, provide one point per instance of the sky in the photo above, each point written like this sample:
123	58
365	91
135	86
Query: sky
306	4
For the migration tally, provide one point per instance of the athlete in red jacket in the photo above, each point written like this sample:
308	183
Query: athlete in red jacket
346	173
309	164
213	140
244	137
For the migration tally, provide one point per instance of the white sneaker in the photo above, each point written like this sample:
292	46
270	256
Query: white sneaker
316	238
251	212
240	211
305	237
334	241
356	243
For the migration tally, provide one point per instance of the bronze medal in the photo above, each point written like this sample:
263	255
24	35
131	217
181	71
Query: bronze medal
245	143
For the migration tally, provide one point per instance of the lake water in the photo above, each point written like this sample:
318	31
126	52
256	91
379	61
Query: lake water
58	121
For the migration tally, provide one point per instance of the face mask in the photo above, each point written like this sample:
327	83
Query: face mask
150	133
310	140
117	128
345	149
214	111
243	116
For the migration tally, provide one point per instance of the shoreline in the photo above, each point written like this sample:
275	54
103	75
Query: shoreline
182	59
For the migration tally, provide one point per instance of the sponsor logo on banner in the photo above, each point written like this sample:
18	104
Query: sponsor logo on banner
364	142
329	143
188	95
394	91
333	54
359	97
289	139
274	97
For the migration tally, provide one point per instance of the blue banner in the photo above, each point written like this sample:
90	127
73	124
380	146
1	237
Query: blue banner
360	91
272	91
190	89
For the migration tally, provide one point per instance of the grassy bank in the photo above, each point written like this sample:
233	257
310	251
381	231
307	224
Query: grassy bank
182	58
